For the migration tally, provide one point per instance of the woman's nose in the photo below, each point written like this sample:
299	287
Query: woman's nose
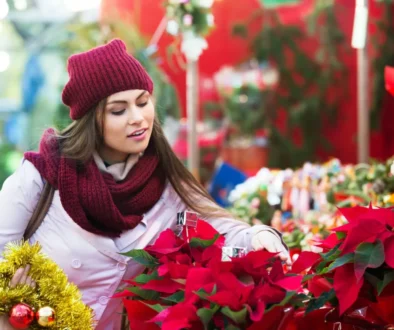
135	116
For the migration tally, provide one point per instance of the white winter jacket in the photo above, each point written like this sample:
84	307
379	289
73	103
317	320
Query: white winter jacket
93	262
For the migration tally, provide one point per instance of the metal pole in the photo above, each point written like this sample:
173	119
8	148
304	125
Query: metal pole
359	40
192	108
363	106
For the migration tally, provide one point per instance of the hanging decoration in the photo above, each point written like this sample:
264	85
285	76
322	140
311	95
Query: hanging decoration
192	20
53	304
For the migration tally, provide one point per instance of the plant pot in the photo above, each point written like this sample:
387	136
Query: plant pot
247	159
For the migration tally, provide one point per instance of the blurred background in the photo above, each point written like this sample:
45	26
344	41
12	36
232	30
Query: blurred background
276	89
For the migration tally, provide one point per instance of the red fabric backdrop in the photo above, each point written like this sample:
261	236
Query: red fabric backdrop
223	49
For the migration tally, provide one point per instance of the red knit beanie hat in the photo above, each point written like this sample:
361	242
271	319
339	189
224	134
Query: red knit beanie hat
99	73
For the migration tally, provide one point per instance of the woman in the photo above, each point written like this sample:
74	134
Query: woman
118	183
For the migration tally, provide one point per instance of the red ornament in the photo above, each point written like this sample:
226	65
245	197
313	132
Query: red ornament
21	316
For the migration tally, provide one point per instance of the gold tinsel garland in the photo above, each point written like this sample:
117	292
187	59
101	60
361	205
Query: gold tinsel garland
52	288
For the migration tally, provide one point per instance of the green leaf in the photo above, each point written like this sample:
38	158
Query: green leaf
176	297
371	278
157	307
387	279
203	294
307	277
328	257
142	257
340	235
333	253
321	301
204	243
145	294
357	193
338	263
238	317
299	300
286	299
180	280
368	255
145	278
206	314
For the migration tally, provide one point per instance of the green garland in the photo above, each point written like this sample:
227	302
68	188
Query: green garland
53	288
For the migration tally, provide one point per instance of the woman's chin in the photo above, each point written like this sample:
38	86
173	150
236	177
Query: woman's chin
135	151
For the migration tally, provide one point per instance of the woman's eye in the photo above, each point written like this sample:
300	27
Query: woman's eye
141	105
118	113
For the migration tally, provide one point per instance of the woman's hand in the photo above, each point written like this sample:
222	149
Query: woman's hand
267	240
21	276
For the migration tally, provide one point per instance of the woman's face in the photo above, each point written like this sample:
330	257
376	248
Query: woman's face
127	125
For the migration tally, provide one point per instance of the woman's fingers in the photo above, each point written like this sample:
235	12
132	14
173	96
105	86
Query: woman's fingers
30	282
16	278
25	274
21	276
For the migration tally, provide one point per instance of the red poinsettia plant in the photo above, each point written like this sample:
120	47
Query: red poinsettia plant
355	272
188	285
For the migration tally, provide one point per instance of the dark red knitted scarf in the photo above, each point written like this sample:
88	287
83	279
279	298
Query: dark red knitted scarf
93	199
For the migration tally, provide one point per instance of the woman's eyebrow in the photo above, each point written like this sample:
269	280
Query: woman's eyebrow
141	95
116	101
123	101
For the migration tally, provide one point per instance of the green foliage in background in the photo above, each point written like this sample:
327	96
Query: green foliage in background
305	81
9	161
245	110
369	183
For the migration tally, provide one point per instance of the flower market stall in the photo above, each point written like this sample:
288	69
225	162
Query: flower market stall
337	217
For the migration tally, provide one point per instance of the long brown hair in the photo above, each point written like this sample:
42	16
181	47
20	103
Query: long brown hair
82	137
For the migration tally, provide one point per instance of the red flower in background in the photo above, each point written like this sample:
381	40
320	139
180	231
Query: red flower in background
389	79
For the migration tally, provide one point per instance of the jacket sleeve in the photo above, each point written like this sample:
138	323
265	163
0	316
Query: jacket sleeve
237	232
18	198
